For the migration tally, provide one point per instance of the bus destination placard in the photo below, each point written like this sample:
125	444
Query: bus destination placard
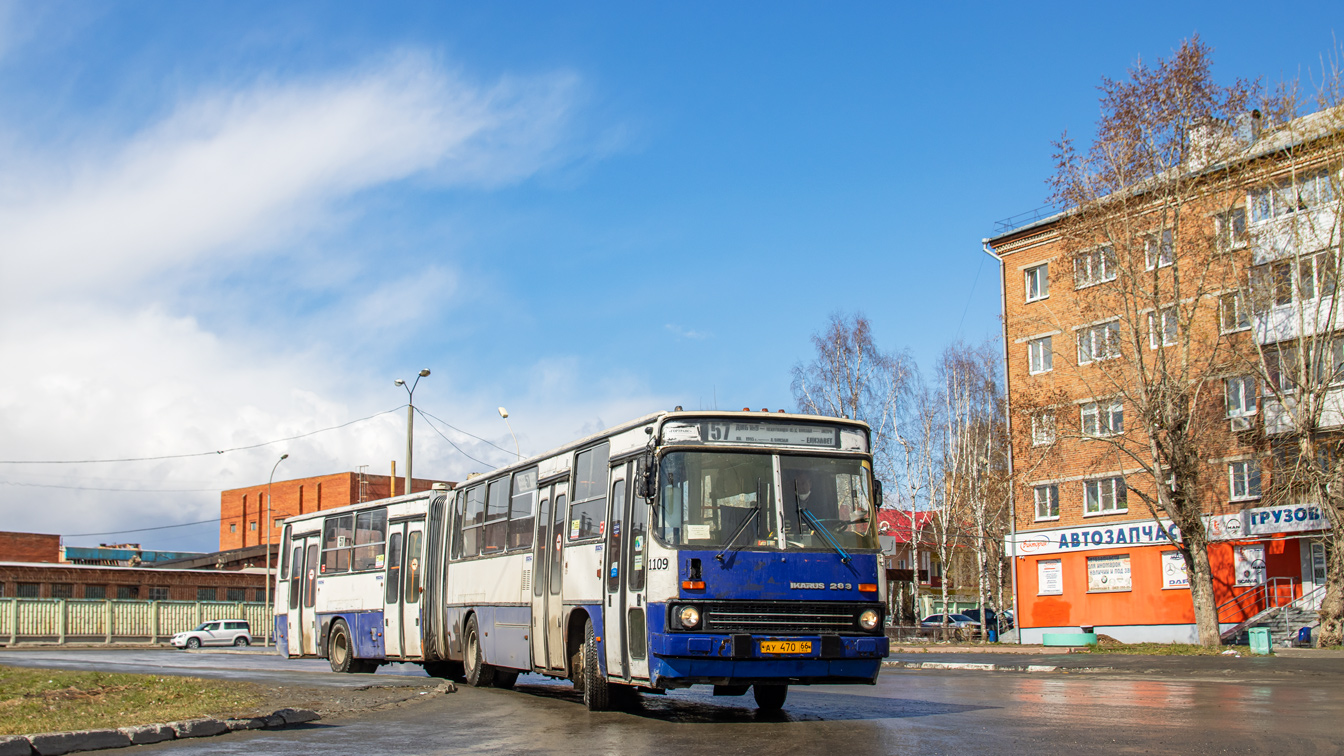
763	434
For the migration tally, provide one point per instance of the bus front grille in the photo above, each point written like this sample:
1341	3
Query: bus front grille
769	619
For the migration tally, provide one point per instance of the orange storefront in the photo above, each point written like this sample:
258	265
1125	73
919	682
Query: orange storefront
1127	580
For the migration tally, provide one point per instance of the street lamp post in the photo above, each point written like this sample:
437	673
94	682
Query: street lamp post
410	420
270	614
505	414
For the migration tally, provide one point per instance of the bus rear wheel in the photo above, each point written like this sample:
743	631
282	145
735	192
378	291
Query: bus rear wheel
596	693
770	697
478	673
341	651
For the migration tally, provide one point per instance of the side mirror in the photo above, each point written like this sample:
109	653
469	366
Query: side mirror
646	483
877	493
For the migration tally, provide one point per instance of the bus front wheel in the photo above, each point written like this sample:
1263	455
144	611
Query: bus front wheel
770	697
478	673
596	693
341	651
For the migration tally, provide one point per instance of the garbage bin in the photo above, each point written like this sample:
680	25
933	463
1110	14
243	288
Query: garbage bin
1304	637
1259	640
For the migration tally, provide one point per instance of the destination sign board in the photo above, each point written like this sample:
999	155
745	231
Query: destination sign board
751	434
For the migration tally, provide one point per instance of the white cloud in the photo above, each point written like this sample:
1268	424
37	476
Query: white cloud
105	354
685	333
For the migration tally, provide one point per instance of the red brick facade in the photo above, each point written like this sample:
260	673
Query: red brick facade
29	547
242	510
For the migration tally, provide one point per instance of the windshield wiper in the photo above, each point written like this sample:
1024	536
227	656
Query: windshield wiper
817	527
754	511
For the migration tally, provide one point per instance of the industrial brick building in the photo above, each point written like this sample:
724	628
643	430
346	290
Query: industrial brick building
1087	550
242	510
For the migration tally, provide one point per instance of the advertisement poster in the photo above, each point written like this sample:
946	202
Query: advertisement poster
1108	574
1250	565
1050	578
1173	571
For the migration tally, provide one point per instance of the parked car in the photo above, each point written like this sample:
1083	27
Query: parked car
1000	621
953	620
215	633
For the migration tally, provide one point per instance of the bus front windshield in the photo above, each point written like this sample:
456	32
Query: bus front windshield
715	500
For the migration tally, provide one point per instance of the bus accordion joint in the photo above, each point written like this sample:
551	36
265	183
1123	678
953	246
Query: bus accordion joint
868	587
693	585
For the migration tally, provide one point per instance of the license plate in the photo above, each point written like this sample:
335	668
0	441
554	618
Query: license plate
786	647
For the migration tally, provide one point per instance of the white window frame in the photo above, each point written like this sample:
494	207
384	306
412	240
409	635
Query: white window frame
1107	416
1241	314
1095	266
1040	356
1166	322
1286	196
1240	392
1050	500
1165	257
1104	335
1037	282
1243	480
1042	429
1114	487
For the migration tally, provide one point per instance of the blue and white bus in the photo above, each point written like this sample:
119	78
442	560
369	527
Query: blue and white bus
732	549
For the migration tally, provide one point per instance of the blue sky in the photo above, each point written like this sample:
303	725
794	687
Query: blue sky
226	223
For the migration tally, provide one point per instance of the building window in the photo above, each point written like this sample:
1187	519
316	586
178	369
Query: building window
236	594
1099	342
62	590
1038	282
1047	502
1106	418
1104	496
1288	281
1158	254
1286	197
1243	479
95	592
1093	267
1042	429
259	595
1240	396
206	594
233	527
1233	314
1231	228
1162	327
158	593
252	526
1039	356
128	592
29	590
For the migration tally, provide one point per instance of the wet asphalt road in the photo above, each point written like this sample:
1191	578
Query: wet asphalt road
914	712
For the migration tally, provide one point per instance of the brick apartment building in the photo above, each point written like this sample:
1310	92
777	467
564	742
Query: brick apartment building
1087	551
242	510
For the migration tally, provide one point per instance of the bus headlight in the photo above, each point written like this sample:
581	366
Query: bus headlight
868	619
690	617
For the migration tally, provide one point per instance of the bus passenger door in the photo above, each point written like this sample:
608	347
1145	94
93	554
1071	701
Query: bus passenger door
626	625
307	623
413	576
541	559
613	574
555	613
295	550
392	591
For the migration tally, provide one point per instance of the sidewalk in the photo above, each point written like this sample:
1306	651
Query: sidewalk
1305	662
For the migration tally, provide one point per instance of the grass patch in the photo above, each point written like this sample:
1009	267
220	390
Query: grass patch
51	700
1161	649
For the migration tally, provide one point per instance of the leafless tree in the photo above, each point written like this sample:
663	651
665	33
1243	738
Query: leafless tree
1144	209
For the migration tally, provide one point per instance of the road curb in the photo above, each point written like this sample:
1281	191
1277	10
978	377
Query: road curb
57	743
976	667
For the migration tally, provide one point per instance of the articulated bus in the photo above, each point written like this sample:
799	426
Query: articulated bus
732	549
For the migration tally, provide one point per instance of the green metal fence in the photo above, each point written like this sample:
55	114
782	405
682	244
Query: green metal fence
24	620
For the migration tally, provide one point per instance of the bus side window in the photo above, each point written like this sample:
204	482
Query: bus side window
557	532
413	565
614	545
284	563
520	509
459	501
296	578
393	569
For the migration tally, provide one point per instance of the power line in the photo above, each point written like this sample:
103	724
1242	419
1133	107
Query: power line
426	417
141	530
193	454
127	490
473	435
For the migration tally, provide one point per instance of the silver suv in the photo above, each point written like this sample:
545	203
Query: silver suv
215	633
